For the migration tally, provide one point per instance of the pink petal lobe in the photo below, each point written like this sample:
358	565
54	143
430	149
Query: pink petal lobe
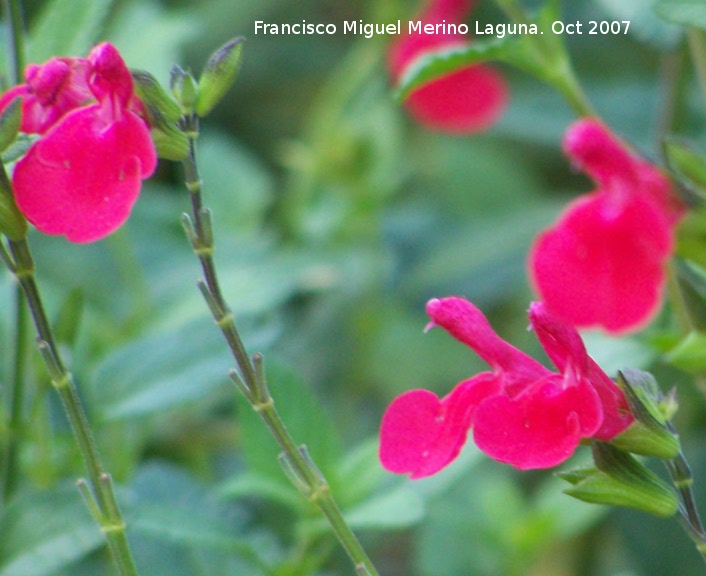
469	100
421	434
596	151
565	348
561	341
593	148
616	412
54	89
539	429
93	172
110	76
603	262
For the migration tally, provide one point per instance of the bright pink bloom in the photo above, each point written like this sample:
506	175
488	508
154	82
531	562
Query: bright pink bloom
521	413
82	177
468	100
603	262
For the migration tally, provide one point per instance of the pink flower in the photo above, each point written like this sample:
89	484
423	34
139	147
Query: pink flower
468	100
521	413
84	174
603	263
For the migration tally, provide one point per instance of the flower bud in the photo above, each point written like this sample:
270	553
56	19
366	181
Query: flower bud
10	120
649	434
620	480
184	87
218	75
170	142
155	98
163	114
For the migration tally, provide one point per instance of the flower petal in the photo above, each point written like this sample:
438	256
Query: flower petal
421	434
83	177
467	324
602	263
539	429
564	346
469	100
593	148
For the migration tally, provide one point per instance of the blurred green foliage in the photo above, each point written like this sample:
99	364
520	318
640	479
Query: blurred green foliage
336	218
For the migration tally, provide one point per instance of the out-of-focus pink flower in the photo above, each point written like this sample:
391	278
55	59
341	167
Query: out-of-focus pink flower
603	262
521	413
465	101
84	174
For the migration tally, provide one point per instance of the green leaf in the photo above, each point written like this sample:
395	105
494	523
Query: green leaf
171	511
161	371
446	61
536	50
688	165
692	284
251	484
42	533
684	12
359	473
10	123
620	480
67	28
198	520
690	353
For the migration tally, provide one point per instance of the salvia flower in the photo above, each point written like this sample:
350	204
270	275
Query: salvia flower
83	175
520	412
466	101
603	263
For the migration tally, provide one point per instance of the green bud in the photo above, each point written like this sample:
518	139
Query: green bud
649	434
163	114
159	104
184	87
620	480
10	120
218	75
170	143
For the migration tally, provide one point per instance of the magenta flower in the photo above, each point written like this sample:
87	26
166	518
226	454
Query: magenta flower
84	174
520	412
603	262
468	100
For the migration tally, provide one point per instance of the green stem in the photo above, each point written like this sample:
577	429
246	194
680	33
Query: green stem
15	431
683	481
101	497
16	52
250	378
15	67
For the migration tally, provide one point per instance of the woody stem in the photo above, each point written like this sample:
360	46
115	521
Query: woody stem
250	376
